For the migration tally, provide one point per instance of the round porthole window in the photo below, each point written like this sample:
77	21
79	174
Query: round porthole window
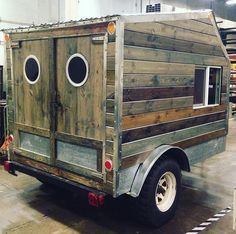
77	70
31	69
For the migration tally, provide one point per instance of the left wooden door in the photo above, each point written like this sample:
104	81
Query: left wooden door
32	72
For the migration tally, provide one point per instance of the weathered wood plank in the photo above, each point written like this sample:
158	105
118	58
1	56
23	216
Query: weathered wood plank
140	158
138	94
93	182
72	117
158	55
192	25
138	107
151	143
33	130
159	29
200	139
110	63
31	101
32	155
110	120
110	92
91	143
160	42
111	49
109	147
135	121
110	133
156	80
111	78
55	32
110	105
149	131
144	67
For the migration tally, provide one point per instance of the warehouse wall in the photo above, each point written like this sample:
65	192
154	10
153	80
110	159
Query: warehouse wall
26	12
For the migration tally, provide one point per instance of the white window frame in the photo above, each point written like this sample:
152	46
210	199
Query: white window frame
206	85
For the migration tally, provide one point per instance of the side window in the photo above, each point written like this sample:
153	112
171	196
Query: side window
207	86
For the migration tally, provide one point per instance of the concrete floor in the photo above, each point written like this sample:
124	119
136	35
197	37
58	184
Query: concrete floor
27	206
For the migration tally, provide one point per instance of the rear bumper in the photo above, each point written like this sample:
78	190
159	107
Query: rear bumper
12	167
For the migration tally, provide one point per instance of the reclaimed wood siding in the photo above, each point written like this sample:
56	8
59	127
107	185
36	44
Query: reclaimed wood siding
158	87
110	100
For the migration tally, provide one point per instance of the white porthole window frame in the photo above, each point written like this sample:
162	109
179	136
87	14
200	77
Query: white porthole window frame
39	68
67	71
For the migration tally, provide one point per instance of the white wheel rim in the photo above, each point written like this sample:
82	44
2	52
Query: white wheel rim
165	191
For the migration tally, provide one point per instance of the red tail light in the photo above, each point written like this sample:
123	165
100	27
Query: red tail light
108	165
95	199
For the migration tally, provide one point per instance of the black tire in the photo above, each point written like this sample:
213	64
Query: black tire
153	212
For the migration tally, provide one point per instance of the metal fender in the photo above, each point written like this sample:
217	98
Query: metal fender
166	151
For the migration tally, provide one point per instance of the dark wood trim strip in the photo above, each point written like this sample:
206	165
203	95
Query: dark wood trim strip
32	130
78	140
141	120
94	183
140	158
138	94
154	130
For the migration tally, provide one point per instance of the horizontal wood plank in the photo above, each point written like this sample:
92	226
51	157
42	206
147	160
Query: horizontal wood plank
110	133
192	25
140	158
166	30
159	42
200	139
151	54
138	107
151	143
138	94
111	49
135	121
110	118
33	130
149	131
144	67
156	80
93	182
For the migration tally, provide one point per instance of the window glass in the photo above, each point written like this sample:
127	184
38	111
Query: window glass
31	69
199	86
207	86
214	86
77	70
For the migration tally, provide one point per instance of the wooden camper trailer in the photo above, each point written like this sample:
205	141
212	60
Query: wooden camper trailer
119	104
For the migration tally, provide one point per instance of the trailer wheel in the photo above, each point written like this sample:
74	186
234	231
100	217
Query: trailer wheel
160	194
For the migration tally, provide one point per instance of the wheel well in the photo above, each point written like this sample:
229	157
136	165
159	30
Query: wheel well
179	156
159	154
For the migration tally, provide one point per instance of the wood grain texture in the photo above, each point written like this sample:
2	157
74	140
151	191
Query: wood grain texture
156	80
93	182
138	107
135	121
138	94
140	158
159	42
32	100
167	30
81	110
152	54
55	32
169	138
159	68
141	133
192	25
